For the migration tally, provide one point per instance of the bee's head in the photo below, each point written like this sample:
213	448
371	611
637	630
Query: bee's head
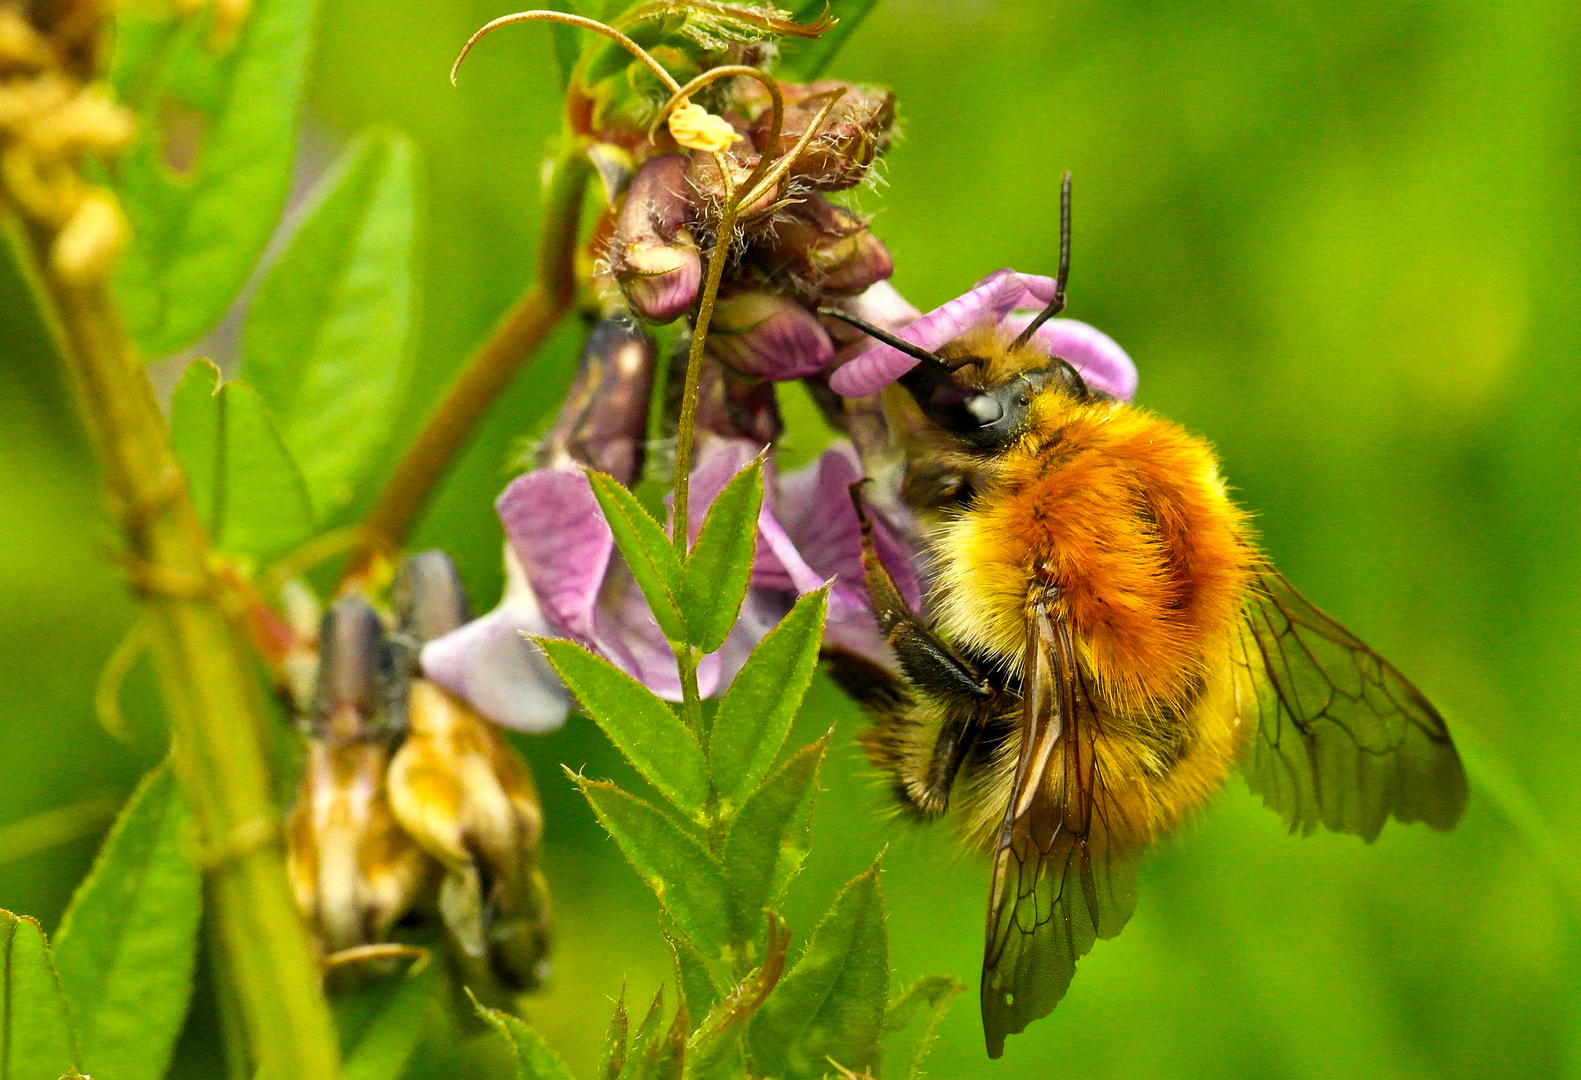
986	401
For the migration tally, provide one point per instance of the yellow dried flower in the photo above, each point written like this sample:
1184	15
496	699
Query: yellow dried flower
695	128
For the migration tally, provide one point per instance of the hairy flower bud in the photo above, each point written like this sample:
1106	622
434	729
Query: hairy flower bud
652	254
830	249
604	420
712	191
769	336
847	143
353	870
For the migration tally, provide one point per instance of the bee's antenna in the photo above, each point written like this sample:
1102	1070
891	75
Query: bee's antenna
1057	304
916	352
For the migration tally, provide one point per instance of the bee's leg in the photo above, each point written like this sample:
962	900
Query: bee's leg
932	667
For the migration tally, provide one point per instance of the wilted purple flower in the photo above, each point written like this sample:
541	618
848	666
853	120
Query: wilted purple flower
851	137
828	249
652	253
1095	355
770	336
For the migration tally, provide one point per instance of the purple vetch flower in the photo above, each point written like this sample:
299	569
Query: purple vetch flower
768	336
564	579
1095	355
652	253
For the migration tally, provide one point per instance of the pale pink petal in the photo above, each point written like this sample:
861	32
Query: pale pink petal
558	532
1095	355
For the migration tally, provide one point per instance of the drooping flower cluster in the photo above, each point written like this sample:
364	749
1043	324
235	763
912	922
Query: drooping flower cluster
411	801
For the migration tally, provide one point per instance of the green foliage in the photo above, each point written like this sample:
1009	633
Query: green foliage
36	1037
831	1005
640	724
327	339
688	880
647	550
719	565
804	59
768	838
756	711
381	1023
248	491
534	1059
126	947
195	238
928	997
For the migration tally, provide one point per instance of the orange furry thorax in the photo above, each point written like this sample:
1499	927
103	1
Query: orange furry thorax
1127	515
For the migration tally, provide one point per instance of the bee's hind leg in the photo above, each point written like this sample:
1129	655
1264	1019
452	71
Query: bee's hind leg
931	667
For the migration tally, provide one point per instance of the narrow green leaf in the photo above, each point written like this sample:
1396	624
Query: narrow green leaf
36	1037
930	995
688	881
804	59
665	1058
382	1022
694	981
768	838
661	747
327	340
126	947
644	1037
714	1050
648	551
832	1004
756	712
720	565
195	238
535	1059
248	490
615	1041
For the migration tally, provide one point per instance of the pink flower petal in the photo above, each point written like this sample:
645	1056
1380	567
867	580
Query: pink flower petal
1100	360
500	673
563	542
989	301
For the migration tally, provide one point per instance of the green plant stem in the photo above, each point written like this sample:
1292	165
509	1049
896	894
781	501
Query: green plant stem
687	434
209	681
485	376
691	701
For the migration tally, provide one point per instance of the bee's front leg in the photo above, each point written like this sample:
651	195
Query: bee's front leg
931	667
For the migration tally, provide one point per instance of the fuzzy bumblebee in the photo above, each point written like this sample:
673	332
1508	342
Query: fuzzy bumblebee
1105	642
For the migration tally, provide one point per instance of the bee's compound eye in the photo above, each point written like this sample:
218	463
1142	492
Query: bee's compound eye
984	409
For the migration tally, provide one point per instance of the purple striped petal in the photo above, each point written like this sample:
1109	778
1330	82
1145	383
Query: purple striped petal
989	301
1094	354
559	534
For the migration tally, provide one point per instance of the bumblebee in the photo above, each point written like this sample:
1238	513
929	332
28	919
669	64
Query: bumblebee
1104	643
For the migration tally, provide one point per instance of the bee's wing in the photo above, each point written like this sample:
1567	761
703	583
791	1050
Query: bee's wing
1341	738
1060	877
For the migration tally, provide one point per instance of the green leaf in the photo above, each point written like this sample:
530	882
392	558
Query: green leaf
535	1060
694	982
36	1039
648	551
756	712
126	947
804	59
930	995
714	1050
644	1037
832	1004
688	881
769	837
195	238
720	564
327	341
665	1059
567	45
615	1041
661	747
382	1022
248	491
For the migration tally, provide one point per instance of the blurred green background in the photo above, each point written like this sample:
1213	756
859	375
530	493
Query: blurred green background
1341	241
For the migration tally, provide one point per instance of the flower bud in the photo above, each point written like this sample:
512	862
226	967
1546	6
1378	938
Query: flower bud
712	191
769	336
429	601
466	797
737	406
652	253
830	249
359	691
604	420
851	137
